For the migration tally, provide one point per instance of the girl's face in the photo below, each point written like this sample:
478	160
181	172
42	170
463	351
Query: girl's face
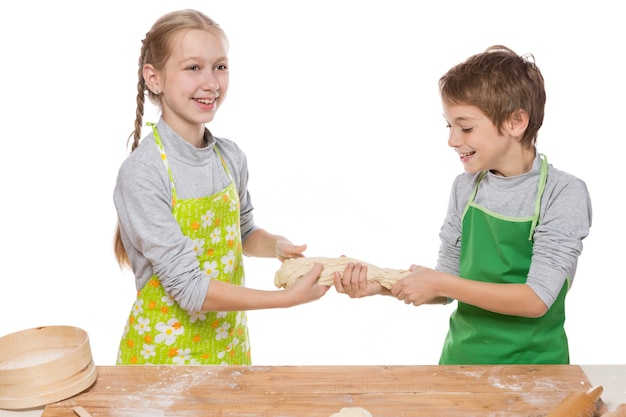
477	141
194	82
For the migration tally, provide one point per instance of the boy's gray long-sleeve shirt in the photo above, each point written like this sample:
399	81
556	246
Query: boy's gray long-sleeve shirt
564	221
143	198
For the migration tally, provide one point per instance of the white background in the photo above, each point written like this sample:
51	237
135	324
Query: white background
335	104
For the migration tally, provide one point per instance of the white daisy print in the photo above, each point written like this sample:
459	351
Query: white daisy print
147	351
231	232
182	356
198	246
242	318
168	331
210	268
232	345
207	218
228	261
245	346
142	325
126	328
168	300
138	307
216	235
197	315
222	331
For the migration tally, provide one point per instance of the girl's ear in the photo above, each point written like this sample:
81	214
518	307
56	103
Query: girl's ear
152	79
517	123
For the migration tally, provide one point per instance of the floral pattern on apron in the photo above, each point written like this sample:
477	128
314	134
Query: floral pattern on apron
158	330
498	249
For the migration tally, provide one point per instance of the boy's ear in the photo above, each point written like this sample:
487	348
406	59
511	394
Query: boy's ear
517	123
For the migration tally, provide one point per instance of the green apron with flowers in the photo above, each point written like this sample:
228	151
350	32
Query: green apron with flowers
158	330
497	248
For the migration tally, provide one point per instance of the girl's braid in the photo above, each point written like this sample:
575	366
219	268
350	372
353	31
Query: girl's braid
141	98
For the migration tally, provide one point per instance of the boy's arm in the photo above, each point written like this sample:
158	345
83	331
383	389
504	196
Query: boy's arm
428	286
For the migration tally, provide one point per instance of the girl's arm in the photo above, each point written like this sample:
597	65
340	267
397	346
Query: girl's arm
262	244
223	296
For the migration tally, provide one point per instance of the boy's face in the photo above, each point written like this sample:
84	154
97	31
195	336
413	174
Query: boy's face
479	144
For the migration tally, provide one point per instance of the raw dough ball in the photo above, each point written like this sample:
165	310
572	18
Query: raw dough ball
352	412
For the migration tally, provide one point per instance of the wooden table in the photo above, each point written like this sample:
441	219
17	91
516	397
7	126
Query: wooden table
320	391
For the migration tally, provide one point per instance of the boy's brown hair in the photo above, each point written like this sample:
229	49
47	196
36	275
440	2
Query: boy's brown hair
500	83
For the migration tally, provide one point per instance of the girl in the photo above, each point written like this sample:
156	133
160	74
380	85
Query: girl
184	212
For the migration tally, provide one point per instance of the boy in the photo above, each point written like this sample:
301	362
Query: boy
514	228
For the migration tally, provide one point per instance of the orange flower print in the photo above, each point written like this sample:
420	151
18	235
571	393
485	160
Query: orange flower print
130	343
172	352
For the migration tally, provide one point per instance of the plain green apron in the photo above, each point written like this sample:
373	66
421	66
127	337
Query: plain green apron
158	330
498	249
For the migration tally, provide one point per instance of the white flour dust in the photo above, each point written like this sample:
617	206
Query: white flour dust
32	358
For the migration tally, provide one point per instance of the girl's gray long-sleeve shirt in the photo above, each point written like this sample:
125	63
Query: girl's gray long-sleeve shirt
564	221
143	199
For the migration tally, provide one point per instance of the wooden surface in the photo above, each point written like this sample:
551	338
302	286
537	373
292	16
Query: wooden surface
320	391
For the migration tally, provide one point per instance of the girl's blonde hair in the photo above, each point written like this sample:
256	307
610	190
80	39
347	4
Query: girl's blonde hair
156	49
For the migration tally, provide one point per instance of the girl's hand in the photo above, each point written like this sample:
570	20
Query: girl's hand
306	289
286	250
354	282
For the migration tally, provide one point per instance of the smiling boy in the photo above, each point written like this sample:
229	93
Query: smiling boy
514	228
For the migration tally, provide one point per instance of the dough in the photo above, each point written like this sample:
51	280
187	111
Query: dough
294	268
352	412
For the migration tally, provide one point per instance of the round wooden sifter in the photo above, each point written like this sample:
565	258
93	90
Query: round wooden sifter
43	365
